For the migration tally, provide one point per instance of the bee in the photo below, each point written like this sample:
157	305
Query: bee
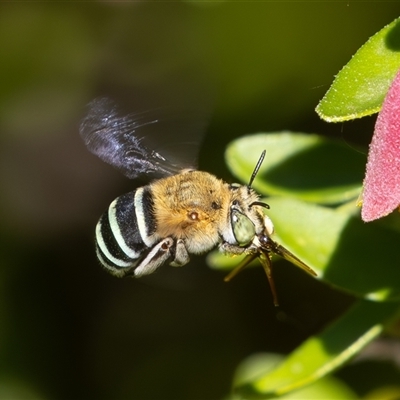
179	212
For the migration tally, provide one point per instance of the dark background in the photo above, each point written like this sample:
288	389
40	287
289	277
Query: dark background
68	329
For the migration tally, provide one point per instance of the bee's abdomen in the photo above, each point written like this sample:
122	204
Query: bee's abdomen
124	232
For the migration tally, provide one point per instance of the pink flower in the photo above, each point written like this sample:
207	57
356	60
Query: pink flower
381	193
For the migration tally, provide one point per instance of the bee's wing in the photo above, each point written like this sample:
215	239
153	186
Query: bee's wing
114	138
287	255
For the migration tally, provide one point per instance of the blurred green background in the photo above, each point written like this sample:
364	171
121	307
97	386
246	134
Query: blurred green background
68	329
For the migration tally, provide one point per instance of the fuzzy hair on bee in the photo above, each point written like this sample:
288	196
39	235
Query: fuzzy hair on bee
179	212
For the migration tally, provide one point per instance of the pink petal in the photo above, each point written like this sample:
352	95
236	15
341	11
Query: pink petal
382	180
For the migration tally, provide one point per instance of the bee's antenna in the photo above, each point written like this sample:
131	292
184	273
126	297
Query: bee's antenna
255	172
260	203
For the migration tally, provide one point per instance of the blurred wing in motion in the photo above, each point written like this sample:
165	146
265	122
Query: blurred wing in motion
114	139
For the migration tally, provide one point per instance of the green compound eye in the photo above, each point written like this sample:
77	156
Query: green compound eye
243	229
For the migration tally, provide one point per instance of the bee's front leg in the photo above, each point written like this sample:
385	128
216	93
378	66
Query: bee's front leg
181	254
232	249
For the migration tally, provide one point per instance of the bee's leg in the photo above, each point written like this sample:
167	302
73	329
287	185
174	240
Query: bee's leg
156	257
235	250
245	262
231	249
181	254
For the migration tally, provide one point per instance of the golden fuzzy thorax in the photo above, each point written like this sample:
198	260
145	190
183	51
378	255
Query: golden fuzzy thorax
191	206
194	206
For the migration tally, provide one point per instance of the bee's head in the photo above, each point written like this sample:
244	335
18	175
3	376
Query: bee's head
246	217
251	231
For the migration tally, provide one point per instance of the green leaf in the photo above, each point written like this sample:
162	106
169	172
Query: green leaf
261	364
323	353
345	252
360	87
305	166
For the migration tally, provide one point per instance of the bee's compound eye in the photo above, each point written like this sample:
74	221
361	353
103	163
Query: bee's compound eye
243	229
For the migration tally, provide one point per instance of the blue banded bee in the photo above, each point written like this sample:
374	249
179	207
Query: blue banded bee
180	212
